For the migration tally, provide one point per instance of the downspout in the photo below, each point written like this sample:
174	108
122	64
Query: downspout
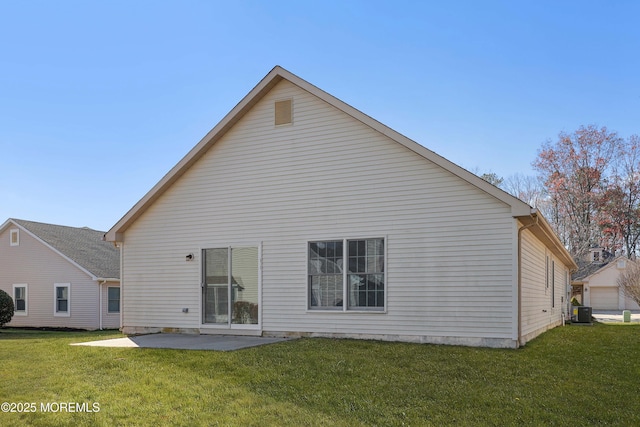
100	301
520	230
121	247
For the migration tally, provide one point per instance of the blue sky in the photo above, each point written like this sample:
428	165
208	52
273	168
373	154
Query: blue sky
98	100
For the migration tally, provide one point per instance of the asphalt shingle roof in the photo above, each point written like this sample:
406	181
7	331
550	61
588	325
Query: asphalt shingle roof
82	245
587	268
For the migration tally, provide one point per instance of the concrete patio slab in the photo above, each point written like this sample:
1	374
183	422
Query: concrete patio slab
185	342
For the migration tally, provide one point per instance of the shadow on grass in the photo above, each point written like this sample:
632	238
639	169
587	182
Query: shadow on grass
55	333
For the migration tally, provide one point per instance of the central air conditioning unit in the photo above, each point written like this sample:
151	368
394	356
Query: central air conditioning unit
581	315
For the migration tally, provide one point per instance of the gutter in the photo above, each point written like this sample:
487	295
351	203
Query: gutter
520	230
107	279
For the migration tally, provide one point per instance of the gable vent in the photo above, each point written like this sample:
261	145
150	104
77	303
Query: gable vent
283	112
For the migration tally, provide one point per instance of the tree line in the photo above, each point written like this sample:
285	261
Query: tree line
587	187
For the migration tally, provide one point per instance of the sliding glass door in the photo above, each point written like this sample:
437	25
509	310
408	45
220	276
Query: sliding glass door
230	286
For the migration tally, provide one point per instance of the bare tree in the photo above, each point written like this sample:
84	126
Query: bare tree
629	281
527	188
619	206
573	170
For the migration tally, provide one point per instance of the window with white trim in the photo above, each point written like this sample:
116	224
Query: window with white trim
361	286
113	299
20	300
62	299
14	237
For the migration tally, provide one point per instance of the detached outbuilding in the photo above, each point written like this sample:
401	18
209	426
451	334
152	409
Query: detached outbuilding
58	276
299	215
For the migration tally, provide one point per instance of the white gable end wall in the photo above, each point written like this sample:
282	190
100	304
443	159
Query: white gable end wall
450	246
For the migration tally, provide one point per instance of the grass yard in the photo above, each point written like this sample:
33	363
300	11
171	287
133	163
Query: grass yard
576	375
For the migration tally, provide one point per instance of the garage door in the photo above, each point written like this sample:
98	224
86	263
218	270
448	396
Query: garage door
604	298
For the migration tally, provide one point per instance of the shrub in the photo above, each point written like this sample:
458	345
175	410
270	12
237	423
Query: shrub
6	308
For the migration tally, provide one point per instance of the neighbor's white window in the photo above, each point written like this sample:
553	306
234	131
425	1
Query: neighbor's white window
359	286
62	299
14	237
113	297
20	300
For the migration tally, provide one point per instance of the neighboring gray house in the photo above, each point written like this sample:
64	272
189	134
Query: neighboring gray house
59	276
298	215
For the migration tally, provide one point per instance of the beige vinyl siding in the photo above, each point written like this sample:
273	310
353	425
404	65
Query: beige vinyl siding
534	298
538	314
562	284
38	266
450	245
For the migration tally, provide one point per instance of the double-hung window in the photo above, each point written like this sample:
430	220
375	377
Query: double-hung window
113	299
20	300
347	274
62	298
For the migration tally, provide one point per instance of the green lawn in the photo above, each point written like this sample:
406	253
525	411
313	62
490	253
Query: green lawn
576	375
